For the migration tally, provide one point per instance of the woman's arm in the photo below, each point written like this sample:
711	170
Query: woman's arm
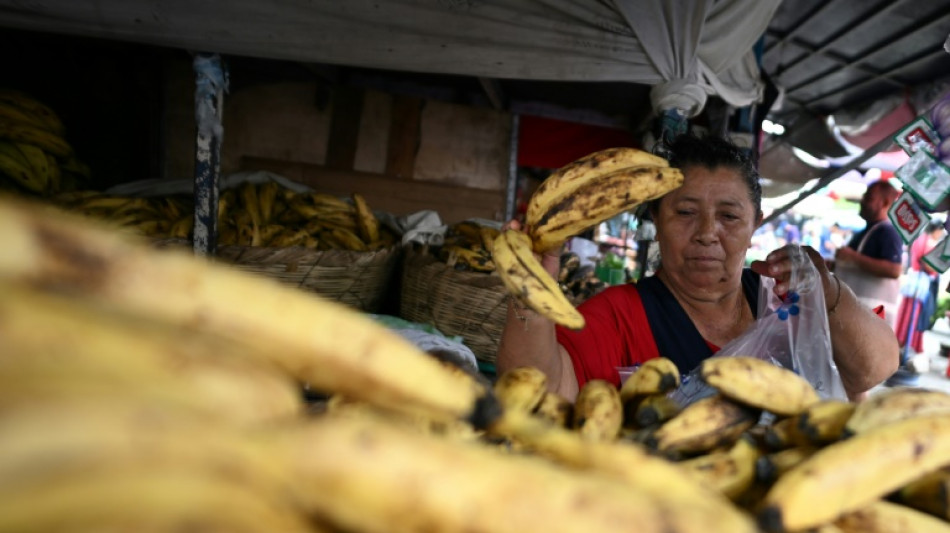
865	348
529	339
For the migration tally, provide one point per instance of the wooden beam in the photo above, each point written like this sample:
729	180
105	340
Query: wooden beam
404	136
344	127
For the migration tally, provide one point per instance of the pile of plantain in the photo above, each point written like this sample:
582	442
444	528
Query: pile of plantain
251	214
762	441
163	393
35	157
467	246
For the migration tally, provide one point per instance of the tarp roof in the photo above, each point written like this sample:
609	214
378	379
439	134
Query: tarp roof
600	58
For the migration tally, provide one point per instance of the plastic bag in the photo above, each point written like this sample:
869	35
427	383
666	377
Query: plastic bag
792	332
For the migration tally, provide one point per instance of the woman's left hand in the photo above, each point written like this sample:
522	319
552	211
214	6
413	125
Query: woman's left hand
780	263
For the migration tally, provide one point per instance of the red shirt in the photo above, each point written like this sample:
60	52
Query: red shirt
617	334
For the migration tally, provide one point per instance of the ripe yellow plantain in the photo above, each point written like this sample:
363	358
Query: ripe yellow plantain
852	473
895	404
655	376
317	341
598	200
730	471
887	517
555	409
929	493
598	414
526	280
825	421
366	221
567	179
521	388
705	424
759	383
22	132
356	474
88	351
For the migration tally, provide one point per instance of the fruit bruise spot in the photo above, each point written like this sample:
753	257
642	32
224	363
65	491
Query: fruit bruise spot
565	204
69	262
919	449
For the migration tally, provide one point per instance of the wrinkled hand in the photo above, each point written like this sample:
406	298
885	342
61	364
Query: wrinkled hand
780	264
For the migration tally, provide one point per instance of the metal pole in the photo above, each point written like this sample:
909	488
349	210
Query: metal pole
211	83
511	189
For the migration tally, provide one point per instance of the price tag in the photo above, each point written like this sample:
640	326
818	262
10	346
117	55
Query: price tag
926	177
936	258
918	134
907	217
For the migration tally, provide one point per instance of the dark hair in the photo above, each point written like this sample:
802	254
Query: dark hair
710	151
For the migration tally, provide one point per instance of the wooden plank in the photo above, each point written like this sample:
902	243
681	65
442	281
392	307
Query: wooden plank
344	128
404	137
396	196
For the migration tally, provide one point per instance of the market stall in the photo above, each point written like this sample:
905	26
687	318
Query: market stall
263	389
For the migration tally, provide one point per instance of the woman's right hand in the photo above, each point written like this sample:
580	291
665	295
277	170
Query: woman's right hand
551	260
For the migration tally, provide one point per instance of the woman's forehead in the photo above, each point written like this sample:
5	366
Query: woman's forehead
721	182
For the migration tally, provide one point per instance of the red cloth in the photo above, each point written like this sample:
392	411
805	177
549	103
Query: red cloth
551	143
617	334
909	305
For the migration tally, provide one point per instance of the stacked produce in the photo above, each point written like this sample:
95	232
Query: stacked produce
266	214
35	158
162	394
575	197
468	246
809	465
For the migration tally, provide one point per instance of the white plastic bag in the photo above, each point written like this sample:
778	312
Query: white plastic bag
792	332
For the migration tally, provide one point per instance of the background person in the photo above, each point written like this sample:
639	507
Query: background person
700	298
919	295
871	262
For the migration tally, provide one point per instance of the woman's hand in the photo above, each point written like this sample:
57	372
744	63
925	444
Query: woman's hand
780	263
551	260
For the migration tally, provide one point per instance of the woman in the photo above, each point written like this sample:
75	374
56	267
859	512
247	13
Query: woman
701	297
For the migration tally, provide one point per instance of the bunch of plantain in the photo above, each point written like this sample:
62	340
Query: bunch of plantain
468	246
572	199
251	214
35	158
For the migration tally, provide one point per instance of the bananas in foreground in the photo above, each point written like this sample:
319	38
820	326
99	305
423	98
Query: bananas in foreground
109	421
574	198
314	340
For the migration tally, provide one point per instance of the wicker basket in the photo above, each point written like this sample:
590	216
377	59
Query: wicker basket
471	305
361	280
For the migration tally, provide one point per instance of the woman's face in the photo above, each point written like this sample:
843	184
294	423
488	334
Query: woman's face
704	229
